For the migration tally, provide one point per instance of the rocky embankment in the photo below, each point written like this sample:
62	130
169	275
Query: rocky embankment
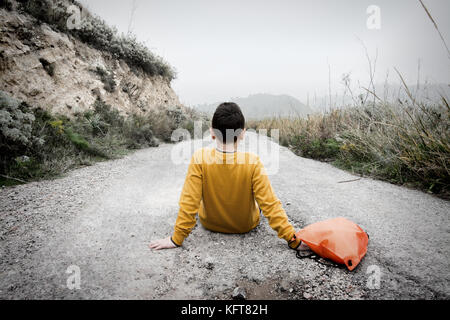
58	72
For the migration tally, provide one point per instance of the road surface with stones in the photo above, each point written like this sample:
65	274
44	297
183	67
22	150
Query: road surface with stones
99	220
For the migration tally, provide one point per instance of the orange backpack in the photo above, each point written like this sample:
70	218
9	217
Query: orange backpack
338	239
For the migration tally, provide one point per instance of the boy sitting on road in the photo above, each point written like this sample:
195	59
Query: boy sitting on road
227	188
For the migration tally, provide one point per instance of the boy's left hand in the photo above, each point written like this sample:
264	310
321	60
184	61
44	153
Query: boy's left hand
165	243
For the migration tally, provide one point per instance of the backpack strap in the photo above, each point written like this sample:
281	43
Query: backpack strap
313	256
303	255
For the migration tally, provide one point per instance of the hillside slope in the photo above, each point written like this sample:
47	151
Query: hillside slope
54	70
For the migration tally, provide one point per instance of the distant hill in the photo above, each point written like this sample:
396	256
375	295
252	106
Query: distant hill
260	106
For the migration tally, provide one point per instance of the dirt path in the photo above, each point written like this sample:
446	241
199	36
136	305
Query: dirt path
100	219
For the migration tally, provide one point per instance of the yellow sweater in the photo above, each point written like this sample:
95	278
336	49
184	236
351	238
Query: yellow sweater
225	189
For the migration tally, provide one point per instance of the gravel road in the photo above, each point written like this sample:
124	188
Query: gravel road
98	220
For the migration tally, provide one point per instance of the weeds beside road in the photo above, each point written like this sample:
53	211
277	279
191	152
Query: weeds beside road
406	143
36	144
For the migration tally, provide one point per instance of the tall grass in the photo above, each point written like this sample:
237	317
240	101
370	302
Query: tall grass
403	142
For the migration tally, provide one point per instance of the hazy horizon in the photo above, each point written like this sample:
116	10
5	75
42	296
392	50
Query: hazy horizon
234	49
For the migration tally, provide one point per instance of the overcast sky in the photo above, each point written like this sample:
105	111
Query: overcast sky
223	49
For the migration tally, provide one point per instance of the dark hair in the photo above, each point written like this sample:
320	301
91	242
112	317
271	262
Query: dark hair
228	119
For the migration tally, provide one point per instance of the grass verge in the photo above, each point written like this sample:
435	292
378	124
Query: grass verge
406	143
36	144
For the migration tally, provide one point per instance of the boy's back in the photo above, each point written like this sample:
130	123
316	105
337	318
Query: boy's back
228	203
227	189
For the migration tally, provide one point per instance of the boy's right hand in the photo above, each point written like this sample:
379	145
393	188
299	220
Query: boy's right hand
159	244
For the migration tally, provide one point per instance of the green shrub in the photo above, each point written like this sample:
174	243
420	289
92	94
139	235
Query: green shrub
16	121
6	4
107	78
25	168
138	133
107	114
79	142
315	148
36	144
